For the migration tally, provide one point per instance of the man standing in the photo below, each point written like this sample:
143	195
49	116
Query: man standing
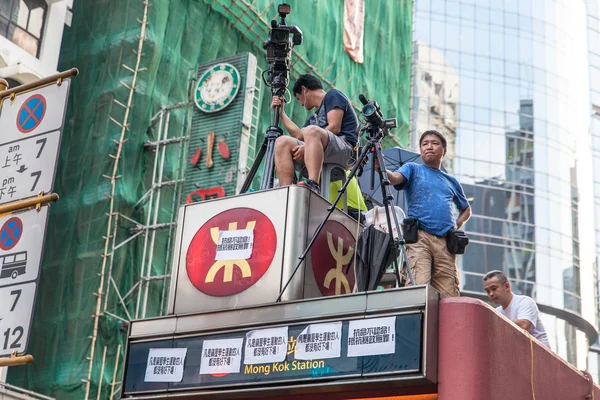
430	194
329	135
522	310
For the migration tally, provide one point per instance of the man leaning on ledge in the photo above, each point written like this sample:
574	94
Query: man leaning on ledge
522	310
430	195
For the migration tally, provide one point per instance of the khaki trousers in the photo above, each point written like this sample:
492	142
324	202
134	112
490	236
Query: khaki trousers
431	263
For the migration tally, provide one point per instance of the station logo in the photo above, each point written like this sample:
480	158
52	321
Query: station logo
332	258
221	263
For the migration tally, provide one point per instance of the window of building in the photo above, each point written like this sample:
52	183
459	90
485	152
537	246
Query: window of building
22	22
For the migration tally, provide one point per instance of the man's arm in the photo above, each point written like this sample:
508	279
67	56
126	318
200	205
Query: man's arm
289	125
463	217
395	178
523	323
527	313
334	120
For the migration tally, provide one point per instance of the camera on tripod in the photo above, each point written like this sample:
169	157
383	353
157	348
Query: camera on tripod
374	116
281	39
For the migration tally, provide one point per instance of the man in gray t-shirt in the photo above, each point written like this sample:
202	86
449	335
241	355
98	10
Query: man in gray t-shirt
522	310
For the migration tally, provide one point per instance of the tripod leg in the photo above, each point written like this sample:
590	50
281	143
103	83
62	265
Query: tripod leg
387	198
330	209
268	146
255	165
269	167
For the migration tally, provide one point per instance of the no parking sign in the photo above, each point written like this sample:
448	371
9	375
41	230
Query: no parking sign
32	125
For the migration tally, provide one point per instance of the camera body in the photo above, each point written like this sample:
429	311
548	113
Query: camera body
282	38
372	113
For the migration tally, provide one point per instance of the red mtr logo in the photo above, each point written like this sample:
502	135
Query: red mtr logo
229	277
331	255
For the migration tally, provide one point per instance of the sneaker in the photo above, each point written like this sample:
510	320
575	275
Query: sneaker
312	185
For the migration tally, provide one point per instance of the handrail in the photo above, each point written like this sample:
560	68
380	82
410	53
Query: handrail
49	79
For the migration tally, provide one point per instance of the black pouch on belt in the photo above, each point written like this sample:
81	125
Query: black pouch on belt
411	230
456	241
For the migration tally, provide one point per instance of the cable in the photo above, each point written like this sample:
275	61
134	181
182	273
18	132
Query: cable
531	348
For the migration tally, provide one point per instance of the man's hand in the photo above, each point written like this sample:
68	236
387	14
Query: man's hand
278	101
298	153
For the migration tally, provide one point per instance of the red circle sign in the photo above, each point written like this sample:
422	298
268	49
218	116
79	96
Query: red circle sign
331	255
229	277
31	113
11	233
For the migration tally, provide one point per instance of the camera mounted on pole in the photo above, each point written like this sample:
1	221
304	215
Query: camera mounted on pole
282	38
376	124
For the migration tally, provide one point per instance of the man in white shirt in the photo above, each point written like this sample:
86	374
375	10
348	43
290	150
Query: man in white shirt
522	310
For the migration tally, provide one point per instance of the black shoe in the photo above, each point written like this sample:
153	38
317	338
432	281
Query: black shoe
312	185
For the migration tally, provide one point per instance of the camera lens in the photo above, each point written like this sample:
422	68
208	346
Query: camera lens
368	110
280	36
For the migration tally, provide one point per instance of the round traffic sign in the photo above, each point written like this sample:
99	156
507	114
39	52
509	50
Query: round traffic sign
11	233
31	113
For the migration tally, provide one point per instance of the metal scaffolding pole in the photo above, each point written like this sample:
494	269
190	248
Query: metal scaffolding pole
113	182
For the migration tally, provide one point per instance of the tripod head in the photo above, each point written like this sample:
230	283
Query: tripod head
377	127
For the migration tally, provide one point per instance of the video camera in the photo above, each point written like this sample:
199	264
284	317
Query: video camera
374	116
279	43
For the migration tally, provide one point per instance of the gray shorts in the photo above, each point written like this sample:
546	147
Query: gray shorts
338	151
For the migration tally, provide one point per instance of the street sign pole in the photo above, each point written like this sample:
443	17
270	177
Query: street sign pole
32	118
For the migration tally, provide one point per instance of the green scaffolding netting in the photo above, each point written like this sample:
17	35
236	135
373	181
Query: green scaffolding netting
180	34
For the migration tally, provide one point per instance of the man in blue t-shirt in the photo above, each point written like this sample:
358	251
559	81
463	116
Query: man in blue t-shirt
329	135
431	194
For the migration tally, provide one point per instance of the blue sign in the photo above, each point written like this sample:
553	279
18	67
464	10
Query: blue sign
31	113
405	360
10	233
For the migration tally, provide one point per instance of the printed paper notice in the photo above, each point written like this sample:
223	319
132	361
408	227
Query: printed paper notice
266	345
165	365
319	341
235	244
221	356
372	336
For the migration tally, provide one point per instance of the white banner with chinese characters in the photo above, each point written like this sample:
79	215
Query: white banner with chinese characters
372	336
221	356
266	345
319	341
165	365
235	244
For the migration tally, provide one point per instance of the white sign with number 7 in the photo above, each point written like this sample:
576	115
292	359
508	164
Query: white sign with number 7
16	313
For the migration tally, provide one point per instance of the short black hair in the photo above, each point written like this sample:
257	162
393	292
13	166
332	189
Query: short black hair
502	278
309	81
436	133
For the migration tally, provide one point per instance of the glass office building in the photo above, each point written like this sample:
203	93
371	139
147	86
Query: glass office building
508	83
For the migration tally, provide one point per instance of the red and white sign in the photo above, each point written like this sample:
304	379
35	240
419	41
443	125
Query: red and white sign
332	259
229	277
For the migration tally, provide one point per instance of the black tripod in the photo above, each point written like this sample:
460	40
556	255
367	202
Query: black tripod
278	87
374	135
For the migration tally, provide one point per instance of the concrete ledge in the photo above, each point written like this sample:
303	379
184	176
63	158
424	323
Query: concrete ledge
483	355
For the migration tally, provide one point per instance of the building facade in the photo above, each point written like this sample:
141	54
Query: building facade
30	38
522	148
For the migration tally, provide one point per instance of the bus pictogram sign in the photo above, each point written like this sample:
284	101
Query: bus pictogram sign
10	233
31	113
